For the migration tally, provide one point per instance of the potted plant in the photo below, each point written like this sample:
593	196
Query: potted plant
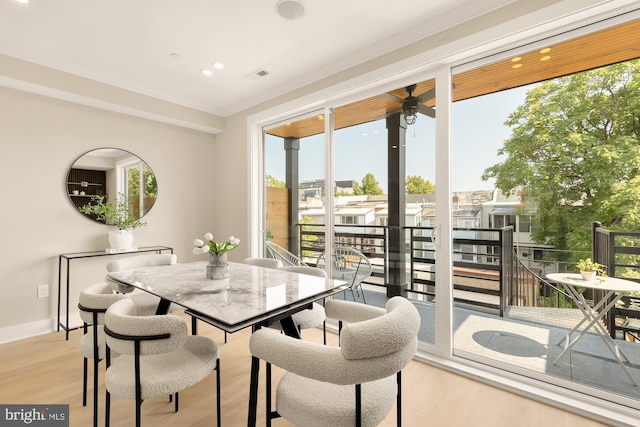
217	268
589	269
117	214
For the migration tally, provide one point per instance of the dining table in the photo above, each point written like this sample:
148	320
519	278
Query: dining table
593	314
251	296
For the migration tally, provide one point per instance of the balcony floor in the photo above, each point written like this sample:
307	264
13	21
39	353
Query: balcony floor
527	338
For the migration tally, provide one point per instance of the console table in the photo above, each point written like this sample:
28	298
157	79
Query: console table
92	254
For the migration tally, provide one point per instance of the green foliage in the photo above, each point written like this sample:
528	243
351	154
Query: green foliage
133	182
307	224
588	265
112	213
369	186
418	185
575	151
274	182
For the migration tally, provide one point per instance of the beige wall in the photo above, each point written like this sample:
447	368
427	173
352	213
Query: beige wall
40	137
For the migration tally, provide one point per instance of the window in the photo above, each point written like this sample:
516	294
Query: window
467	252
136	181
500	221
524	223
349	220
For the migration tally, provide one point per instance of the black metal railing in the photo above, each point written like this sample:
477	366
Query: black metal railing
537	291
482	260
372	241
619	253
487	272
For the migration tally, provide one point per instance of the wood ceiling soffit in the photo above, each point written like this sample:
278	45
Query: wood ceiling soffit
613	45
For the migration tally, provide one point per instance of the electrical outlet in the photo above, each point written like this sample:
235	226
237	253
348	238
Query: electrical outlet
43	291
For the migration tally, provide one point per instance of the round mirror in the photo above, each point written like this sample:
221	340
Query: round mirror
115	175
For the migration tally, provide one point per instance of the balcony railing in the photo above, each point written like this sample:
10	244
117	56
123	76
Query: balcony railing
487	272
483	260
370	240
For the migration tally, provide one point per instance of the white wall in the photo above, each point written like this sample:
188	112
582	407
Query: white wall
40	137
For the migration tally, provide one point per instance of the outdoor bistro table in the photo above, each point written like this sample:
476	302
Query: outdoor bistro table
251	296
614	288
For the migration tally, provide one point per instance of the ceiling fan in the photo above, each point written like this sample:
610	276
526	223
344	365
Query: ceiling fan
412	105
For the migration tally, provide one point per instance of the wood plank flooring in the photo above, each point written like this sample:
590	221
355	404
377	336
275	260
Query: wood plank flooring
48	370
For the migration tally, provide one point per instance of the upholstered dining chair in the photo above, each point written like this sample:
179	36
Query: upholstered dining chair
145	300
93	303
350	265
138	261
314	316
263	262
157	357
354	384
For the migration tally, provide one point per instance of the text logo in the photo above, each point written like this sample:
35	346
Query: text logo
34	415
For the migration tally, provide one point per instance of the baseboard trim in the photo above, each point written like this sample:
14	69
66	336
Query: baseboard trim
26	330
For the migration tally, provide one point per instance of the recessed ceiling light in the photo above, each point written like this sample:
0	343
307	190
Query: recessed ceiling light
218	65
516	66
545	50
23	1
290	9
516	59
174	55
545	58
207	72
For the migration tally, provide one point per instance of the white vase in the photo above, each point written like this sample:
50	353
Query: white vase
588	276
217	268
121	239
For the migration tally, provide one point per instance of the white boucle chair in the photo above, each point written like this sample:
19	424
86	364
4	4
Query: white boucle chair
354	384
156	357
313	317
144	300
263	262
141	298
93	302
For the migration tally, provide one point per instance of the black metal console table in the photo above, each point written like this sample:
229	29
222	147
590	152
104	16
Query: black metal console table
91	254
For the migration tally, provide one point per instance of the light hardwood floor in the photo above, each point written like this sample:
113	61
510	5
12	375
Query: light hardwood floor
48	370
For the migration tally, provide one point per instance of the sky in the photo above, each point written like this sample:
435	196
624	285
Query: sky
478	131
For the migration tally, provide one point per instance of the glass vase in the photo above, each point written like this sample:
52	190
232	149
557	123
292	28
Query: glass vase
217	268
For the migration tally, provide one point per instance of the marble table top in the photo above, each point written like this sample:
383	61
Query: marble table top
249	295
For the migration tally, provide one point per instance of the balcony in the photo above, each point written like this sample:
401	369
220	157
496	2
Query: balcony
506	313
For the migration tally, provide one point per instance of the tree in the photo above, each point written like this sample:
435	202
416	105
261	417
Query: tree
369	186
574	152
274	182
418	185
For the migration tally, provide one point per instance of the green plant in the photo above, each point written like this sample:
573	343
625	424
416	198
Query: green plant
588	265
111	213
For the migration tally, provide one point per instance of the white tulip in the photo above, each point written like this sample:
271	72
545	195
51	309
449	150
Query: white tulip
198	242
234	240
208	236
196	251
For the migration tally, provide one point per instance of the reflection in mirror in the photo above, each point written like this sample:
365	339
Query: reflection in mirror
109	172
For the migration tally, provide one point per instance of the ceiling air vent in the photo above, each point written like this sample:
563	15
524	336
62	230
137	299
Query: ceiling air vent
257	74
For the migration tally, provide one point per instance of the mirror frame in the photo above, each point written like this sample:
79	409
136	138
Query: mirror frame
111	173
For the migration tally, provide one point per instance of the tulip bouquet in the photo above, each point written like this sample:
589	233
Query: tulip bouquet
209	246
